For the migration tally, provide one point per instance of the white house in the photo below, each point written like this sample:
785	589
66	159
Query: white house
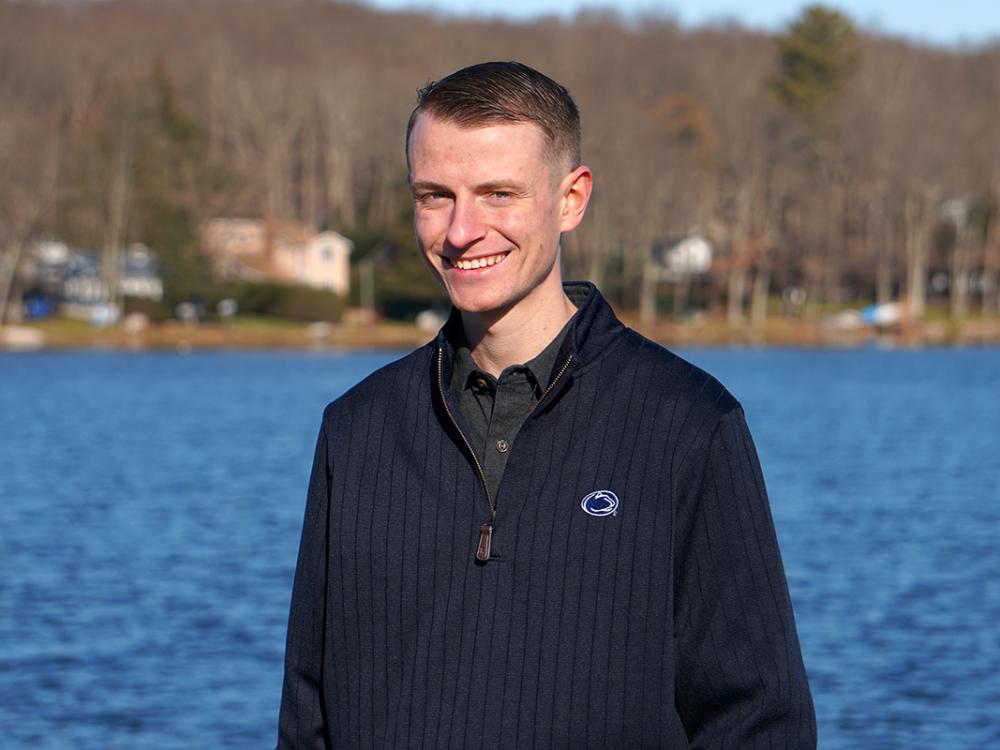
72	277
687	256
278	250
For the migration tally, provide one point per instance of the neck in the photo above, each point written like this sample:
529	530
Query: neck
519	334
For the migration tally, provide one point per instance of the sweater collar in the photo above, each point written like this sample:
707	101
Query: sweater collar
594	328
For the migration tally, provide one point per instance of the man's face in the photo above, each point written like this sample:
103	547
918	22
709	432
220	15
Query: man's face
489	208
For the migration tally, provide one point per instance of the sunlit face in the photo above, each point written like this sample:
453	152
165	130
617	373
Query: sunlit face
489	208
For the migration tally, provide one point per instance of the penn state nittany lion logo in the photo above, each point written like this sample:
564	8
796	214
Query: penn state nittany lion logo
600	503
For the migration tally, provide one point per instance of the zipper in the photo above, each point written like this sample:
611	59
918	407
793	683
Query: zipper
552	384
486	529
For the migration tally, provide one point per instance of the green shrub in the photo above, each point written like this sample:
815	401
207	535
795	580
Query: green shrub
286	301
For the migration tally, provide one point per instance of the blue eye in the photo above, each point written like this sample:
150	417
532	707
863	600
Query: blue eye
431	197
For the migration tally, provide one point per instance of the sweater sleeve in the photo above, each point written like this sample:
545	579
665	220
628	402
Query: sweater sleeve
740	678
302	720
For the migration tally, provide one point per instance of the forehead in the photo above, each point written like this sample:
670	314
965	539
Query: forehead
441	146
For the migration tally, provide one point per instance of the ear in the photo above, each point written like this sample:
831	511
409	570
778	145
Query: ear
575	190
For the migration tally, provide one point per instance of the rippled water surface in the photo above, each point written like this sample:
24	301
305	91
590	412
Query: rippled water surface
150	507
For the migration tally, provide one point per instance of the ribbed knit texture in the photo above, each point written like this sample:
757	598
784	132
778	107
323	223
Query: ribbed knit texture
666	625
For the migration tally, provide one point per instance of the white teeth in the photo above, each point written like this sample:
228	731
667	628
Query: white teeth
468	265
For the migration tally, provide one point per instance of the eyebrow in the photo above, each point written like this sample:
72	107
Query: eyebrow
485	187
425	185
508	185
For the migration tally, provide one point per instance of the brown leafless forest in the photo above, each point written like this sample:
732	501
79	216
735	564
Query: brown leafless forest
852	167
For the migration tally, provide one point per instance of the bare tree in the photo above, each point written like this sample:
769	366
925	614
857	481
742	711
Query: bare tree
27	190
301	105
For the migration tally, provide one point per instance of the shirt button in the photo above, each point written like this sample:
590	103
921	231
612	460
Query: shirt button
503	446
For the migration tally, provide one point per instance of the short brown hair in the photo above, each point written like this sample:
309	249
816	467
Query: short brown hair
491	93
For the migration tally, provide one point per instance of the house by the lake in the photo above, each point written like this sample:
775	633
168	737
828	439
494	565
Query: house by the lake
679	257
73	281
277	250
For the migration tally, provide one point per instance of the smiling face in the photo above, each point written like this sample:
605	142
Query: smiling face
489	208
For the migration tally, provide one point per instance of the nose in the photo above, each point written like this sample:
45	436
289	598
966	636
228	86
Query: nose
467	225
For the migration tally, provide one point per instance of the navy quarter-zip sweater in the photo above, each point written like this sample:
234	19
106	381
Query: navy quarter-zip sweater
666	624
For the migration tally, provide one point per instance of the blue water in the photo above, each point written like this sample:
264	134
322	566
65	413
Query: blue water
150	507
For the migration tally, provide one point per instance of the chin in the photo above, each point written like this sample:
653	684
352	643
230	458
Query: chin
477	306
471	302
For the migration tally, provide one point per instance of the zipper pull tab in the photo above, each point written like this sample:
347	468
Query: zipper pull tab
485	534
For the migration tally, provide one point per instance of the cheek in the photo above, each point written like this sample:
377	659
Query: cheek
518	226
425	227
430	263
540	231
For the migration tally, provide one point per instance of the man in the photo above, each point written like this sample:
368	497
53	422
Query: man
540	529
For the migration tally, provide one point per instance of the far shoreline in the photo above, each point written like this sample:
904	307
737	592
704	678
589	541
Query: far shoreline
260	335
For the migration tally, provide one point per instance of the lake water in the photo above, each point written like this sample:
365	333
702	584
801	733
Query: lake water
150	508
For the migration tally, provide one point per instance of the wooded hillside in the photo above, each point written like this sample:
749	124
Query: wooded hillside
853	168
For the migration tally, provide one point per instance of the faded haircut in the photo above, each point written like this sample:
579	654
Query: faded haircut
493	93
